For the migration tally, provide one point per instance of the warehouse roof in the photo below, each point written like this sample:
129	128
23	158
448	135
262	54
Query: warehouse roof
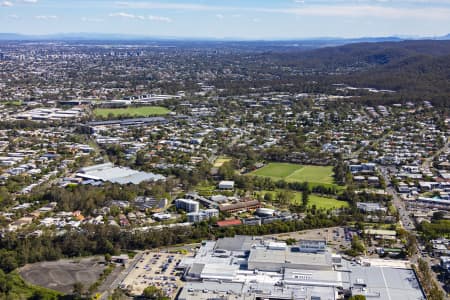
121	175
388	283
288	256
237	243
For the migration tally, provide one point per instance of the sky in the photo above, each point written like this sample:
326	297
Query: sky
238	19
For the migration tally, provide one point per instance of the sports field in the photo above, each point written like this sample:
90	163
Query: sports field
142	111
319	201
297	173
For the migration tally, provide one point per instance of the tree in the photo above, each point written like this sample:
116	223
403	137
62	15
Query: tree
340	171
140	158
78	288
357	297
411	244
439	215
226	171
291	241
8	261
41	295
357	244
284	197
305	197
5	283
430	286
118	295
153	293
268	197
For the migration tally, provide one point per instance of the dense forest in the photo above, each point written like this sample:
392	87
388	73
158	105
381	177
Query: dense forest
100	239
415	70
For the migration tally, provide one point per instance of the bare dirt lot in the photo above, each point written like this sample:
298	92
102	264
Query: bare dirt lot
63	274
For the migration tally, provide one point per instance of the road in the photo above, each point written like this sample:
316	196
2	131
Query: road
405	220
408	224
115	284
427	162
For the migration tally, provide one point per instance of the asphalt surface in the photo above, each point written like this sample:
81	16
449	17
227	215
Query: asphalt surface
115	284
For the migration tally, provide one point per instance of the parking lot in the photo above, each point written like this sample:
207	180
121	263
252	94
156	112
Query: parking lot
157	269
338	238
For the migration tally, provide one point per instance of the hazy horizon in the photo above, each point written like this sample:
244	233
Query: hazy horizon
123	36
225	19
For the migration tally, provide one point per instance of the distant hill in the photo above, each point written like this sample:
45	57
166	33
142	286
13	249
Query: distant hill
370	54
125	37
415	69
421	75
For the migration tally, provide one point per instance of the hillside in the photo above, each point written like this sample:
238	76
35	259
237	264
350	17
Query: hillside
363	54
417	70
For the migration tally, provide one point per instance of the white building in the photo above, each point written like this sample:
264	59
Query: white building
226	185
195	217
187	205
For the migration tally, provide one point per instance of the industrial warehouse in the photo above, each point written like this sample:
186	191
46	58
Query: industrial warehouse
108	172
245	267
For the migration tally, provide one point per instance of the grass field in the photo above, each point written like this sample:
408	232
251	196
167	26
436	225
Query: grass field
319	201
11	103
297	173
220	161
142	111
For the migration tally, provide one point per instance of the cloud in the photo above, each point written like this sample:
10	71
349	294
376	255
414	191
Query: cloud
30	1
160	19
366	11
93	20
220	16
161	5
45	18
6	4
429	3
123	15
13	16
139	17
321	8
